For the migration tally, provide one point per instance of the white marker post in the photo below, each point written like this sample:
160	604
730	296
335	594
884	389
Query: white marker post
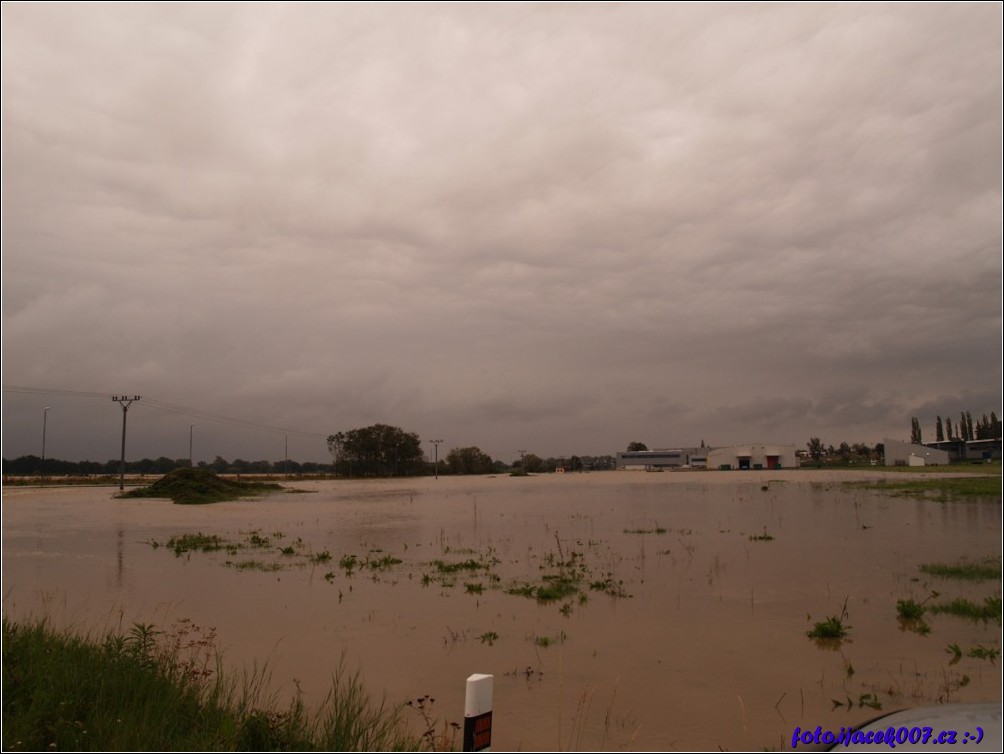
478	713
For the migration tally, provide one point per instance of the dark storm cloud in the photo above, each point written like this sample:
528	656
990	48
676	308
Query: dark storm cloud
546	226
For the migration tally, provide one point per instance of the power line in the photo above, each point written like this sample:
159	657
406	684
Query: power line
171	408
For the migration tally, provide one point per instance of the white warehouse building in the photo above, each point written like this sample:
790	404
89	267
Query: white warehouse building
753	457
907	454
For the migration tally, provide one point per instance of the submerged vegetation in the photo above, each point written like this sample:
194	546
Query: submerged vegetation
200	486
985	569
941	488
964	608
831	628
160	691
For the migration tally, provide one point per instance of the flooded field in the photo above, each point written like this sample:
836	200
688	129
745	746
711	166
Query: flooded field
617	610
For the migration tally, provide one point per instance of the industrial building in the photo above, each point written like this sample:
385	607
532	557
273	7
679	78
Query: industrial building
674	458
753	457
969	450
907	454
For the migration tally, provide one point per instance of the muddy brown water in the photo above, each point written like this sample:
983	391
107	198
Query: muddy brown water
708	651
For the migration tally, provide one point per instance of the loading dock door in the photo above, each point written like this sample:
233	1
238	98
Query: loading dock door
744	462
773	462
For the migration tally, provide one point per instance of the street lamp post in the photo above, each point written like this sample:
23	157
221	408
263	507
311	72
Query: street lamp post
436	463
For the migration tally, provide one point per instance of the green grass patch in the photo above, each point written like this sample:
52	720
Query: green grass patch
986	569
133	692
198	487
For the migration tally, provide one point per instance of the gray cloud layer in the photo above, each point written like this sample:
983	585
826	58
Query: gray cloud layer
549	227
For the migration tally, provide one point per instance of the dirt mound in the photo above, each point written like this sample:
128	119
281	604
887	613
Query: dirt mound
199	486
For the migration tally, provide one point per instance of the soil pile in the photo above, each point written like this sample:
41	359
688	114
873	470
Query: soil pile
199	486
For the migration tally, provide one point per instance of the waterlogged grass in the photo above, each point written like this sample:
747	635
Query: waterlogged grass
255	565
194	542
940	488
547	641
986	569
980	652
964	608
458	566
911	616
657	530
199	486
909	609
831	628
133	692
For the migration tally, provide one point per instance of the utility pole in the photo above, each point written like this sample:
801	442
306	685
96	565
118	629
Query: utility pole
191	430
45	418
436	466
522	463
125	401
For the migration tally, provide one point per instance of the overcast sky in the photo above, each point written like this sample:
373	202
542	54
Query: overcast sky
558	228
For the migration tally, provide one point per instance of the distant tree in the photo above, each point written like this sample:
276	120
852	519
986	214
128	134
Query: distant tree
861	449
995	426
532	464
963	427
377	450
949	430
845	451
969	426
815	449
939	431
915	435
634	447
575	463
468	461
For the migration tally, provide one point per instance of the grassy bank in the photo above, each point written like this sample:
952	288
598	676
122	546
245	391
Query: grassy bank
198	486
149	691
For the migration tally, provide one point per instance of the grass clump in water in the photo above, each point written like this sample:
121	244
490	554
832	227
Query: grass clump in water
831	628
183	543
964	608
135	693
198	487
986	569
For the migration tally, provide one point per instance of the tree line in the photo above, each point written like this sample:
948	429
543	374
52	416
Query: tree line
31	465
382	450
984	428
